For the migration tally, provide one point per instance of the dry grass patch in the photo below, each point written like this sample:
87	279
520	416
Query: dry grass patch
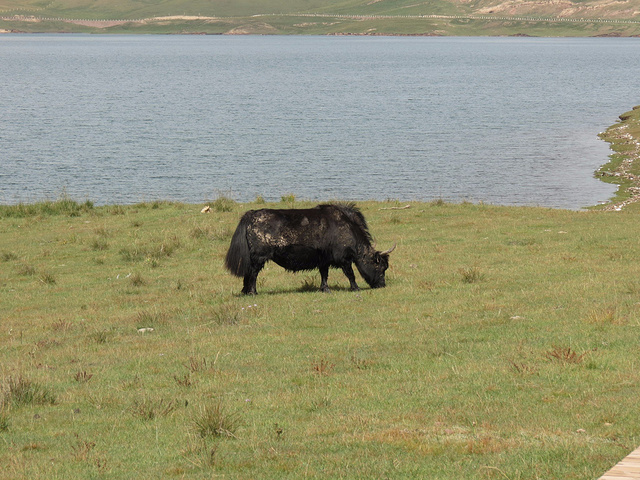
471	275
606	316
148	409
565	355
322	367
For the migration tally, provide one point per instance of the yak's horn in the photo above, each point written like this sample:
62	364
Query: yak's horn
390	250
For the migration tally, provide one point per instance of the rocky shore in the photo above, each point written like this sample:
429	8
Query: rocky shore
624	165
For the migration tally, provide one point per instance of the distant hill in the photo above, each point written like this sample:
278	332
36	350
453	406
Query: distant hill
370	17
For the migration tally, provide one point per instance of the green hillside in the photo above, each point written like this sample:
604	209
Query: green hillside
402	17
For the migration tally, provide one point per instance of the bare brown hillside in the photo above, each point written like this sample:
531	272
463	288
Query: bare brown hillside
562	8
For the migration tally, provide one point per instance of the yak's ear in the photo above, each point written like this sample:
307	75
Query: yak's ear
381	258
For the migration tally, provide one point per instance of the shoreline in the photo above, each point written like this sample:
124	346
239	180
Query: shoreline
623	166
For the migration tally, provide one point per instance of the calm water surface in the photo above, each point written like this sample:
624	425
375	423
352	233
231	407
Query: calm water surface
123	119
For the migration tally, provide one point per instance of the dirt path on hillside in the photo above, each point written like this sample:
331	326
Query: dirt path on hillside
94	23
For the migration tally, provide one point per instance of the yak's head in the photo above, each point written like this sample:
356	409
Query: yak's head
372	265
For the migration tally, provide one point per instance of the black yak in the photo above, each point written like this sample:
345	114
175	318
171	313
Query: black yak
330	235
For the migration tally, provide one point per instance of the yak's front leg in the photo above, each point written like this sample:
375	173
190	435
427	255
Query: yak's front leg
324	277
348	271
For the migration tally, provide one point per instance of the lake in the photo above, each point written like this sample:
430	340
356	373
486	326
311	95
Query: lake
124	119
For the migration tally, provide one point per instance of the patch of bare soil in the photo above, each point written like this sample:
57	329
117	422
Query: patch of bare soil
558	8
253	29
99	23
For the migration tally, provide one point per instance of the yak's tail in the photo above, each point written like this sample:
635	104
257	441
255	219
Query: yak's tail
238	260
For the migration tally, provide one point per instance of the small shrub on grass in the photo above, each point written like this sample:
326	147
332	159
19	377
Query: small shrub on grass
99	244
320	404
4	419
565	355
26	270
152	262
61	326
221	234
361	363
200	454
137	253
165	248
632	287
195	365
101	232
289	199
199	232
7	256
116	210
100	337
81	449
150	409
227	315
216	421
322	367
20	391
428	285
522	242
134	383
309	285
185	380
223	204
137	280
47	278
605	316
82	376
205	233
46	343
279	431
149	318
131	254
523	368
66	206
471	275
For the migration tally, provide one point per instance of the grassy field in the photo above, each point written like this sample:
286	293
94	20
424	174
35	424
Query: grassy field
505	346
325	17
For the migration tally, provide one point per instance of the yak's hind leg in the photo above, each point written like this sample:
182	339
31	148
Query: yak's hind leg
348	271
249	283
324	277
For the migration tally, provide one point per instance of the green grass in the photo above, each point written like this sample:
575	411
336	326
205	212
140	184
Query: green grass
504	346
63	206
